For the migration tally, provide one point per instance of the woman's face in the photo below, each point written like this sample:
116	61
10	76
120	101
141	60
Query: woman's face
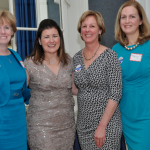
90	30
6	33
50	40
130	21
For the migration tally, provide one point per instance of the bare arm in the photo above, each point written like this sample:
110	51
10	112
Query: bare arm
115	91
74	88
100	132
26	63
28	78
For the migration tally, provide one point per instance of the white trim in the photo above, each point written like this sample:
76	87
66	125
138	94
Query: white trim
38	16
57	1
64	24
11	6
11	9
27	29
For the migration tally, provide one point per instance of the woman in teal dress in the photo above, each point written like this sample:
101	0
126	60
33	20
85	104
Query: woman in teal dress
132	31
13	78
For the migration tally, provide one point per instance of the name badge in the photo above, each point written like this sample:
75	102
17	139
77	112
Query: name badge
120	60
21	62
78	68
136	57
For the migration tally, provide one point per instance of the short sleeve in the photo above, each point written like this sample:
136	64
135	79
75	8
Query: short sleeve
114	77
28	63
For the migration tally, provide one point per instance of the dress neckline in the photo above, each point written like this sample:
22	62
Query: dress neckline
56	75
6	55
93	61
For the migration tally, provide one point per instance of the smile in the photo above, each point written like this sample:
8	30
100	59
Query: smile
88	35
51	45
2	37
128	26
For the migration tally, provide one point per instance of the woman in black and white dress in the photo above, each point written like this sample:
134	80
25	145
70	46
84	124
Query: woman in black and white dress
98	80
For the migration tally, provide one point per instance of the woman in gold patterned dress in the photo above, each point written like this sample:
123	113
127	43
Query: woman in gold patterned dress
50	117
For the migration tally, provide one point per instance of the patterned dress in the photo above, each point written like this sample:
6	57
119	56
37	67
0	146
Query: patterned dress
101	81
50	117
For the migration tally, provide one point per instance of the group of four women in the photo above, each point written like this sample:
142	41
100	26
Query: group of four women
95	74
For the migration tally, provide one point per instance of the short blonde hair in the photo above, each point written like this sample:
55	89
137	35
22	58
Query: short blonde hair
144	28
99	20
8	17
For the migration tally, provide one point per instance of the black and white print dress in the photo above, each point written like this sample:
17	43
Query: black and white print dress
101	81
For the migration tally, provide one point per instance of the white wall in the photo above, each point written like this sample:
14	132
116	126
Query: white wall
73	12
146	6
71	15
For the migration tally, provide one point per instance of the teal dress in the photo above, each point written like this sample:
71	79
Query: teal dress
135	102
12	115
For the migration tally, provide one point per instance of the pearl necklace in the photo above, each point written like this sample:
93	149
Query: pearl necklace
92	56
131	48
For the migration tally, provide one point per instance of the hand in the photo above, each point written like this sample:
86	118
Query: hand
99	136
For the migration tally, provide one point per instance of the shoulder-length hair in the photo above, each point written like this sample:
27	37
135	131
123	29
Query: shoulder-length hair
99	20
9	18
37	54
144	28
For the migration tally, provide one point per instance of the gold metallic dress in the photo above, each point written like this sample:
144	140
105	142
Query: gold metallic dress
50	117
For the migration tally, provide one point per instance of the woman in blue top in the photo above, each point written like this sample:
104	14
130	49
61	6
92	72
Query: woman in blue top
132	31
12	79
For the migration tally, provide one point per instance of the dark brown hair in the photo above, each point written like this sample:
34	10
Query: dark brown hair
99	20
37	54
144	28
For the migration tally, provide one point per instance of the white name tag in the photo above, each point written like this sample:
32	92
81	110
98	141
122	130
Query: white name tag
136	57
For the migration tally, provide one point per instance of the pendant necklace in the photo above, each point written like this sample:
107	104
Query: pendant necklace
8	59
50	62
92	56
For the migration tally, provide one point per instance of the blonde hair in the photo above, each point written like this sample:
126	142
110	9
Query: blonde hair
144	28
99	20
8	17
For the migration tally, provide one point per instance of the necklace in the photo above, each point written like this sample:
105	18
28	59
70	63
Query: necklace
131	48
8	59
92	56
50	62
